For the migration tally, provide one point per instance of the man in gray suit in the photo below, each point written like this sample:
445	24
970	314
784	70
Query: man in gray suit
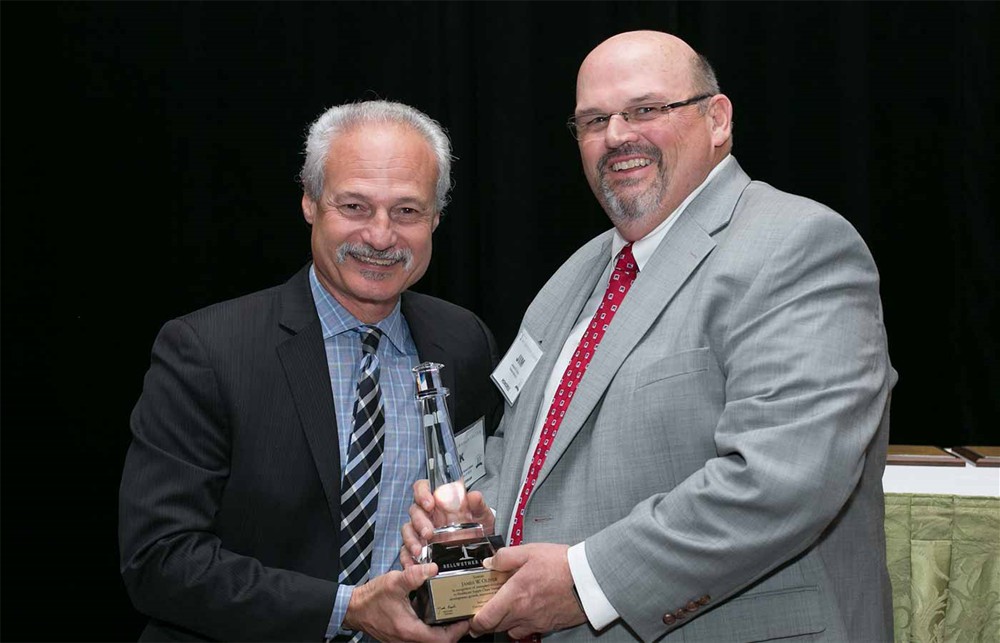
278	430
716	474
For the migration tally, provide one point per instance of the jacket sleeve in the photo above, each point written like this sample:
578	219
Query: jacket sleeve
807	379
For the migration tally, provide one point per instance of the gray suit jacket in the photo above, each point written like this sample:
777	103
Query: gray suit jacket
229	510
728	440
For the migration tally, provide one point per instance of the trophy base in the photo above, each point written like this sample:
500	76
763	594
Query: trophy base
462	585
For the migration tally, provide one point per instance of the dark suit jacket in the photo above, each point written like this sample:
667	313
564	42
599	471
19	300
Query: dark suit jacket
229	507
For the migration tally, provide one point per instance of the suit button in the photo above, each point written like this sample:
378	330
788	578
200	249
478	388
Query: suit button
679	614
668	619
692	606
704	600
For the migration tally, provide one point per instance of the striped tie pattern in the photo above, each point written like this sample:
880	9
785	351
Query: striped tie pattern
360	487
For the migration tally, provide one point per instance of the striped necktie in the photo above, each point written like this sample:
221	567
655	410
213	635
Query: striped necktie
360	487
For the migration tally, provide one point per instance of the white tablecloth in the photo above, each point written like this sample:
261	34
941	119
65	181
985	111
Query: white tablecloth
960	481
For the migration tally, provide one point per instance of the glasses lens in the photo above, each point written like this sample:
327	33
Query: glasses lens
644	113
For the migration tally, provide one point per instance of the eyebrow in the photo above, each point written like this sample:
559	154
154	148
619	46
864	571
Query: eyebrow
405	201
349	195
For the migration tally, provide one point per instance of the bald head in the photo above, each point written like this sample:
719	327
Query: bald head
655	51
656	126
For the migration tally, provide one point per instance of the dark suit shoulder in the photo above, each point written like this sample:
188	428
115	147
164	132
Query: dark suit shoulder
430	317
452	335
257	315
428	304
253	305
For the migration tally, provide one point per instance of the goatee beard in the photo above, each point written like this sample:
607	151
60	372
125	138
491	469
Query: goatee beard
621	208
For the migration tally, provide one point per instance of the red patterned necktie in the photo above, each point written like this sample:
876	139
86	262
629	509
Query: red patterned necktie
621	280
618	286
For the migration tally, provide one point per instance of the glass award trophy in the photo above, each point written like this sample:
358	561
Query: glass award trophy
462	584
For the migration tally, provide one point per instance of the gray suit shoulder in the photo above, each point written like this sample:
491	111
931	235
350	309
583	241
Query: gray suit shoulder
791	210
768	218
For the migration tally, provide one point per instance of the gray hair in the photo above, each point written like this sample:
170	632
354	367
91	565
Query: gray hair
704	79
343	118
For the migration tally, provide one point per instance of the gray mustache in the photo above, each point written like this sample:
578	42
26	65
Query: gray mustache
651	152
365	251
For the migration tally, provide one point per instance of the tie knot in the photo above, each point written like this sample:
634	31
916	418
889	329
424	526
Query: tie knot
370	338
626	261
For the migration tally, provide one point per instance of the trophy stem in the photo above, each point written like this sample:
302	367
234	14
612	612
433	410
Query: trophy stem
462	584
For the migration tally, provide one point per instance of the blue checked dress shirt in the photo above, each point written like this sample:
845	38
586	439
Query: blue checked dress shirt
403	455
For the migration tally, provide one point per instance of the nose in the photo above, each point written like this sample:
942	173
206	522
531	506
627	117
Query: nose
379	232
619	131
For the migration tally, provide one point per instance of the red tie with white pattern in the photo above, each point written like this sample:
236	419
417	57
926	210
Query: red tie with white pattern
621	280
618	286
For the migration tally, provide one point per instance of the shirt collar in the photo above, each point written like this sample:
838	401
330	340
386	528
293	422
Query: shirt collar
644	248
336	320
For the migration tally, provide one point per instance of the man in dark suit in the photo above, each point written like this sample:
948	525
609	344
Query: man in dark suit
277	435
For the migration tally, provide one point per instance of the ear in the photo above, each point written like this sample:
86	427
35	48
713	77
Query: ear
308	209
720	118
435	221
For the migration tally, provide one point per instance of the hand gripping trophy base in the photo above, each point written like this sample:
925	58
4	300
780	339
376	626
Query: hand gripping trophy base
462	585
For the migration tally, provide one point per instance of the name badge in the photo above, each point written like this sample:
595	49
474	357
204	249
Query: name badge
515	367
471	443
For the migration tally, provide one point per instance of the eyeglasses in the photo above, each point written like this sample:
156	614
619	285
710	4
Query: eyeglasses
593	124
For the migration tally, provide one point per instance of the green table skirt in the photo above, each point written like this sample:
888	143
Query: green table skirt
944	563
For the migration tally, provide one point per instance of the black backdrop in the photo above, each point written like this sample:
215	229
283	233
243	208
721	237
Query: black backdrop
149	161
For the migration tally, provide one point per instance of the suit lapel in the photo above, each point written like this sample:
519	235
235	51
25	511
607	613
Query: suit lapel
433	345
303	358
549	322
680	253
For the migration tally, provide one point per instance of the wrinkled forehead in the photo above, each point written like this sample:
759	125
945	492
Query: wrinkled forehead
389	159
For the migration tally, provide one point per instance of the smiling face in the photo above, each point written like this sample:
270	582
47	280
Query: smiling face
641	172
372	226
